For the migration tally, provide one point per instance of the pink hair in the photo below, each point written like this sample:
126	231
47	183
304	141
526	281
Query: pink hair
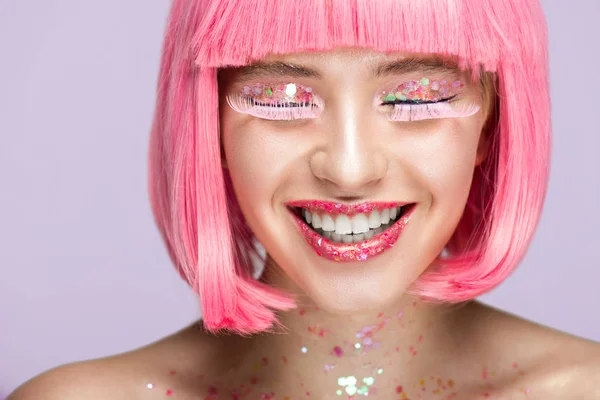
192	197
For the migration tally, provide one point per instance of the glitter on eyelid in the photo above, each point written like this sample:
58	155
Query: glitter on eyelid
290	90
422	91
279	94
304	350
149	386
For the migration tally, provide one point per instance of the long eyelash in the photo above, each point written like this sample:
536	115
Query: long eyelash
285	111
413	102
410	111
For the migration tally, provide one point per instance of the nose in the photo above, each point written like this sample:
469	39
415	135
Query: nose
352	161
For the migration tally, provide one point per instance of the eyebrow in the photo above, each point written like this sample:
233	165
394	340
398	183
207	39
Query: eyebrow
396	67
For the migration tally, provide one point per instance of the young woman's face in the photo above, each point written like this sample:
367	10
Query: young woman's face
352	167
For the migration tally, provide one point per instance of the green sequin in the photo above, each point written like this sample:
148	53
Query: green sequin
269	92
369	381
390	97
424	82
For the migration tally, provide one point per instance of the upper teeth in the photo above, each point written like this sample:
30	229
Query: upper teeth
345	225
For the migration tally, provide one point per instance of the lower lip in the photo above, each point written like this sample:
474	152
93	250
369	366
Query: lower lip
354	252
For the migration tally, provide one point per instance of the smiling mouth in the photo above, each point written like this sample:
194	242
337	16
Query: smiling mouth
343	228
350	232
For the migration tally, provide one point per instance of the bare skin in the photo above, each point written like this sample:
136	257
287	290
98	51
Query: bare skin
503	357
356	331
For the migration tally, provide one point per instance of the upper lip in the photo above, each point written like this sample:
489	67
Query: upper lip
331	207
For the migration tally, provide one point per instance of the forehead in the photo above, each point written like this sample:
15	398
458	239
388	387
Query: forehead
371	63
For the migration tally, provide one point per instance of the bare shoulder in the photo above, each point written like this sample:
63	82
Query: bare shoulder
145	373
558	377
95	379
536	359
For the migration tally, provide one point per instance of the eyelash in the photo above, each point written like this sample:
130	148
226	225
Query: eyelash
403	111
287	111
411	111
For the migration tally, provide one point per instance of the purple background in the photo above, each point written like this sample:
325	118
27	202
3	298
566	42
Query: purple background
84	273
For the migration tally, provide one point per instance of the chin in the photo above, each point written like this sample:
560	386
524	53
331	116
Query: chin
347	296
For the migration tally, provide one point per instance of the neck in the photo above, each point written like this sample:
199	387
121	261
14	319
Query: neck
404	342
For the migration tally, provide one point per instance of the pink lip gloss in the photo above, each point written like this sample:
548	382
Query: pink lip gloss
351	252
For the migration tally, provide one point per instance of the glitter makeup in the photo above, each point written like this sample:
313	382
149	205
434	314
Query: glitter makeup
361	384
351	385
425	99
352	252
279	101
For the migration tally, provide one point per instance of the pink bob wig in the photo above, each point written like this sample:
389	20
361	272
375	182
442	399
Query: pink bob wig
191	194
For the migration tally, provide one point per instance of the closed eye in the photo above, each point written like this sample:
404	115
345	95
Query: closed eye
281	110
416	102
408	111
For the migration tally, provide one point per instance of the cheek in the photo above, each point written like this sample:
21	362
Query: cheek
440	164
257	161
442	160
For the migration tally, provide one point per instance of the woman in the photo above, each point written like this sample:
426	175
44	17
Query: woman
391	158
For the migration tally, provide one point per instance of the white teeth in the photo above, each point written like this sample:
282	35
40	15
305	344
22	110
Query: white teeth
358	238
327	223
343	225
385	216
363	226
316	221
374	219
360	224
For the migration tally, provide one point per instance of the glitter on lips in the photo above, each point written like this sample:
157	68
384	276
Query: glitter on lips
348	252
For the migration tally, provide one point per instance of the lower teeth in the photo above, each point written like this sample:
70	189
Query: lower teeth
352	238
